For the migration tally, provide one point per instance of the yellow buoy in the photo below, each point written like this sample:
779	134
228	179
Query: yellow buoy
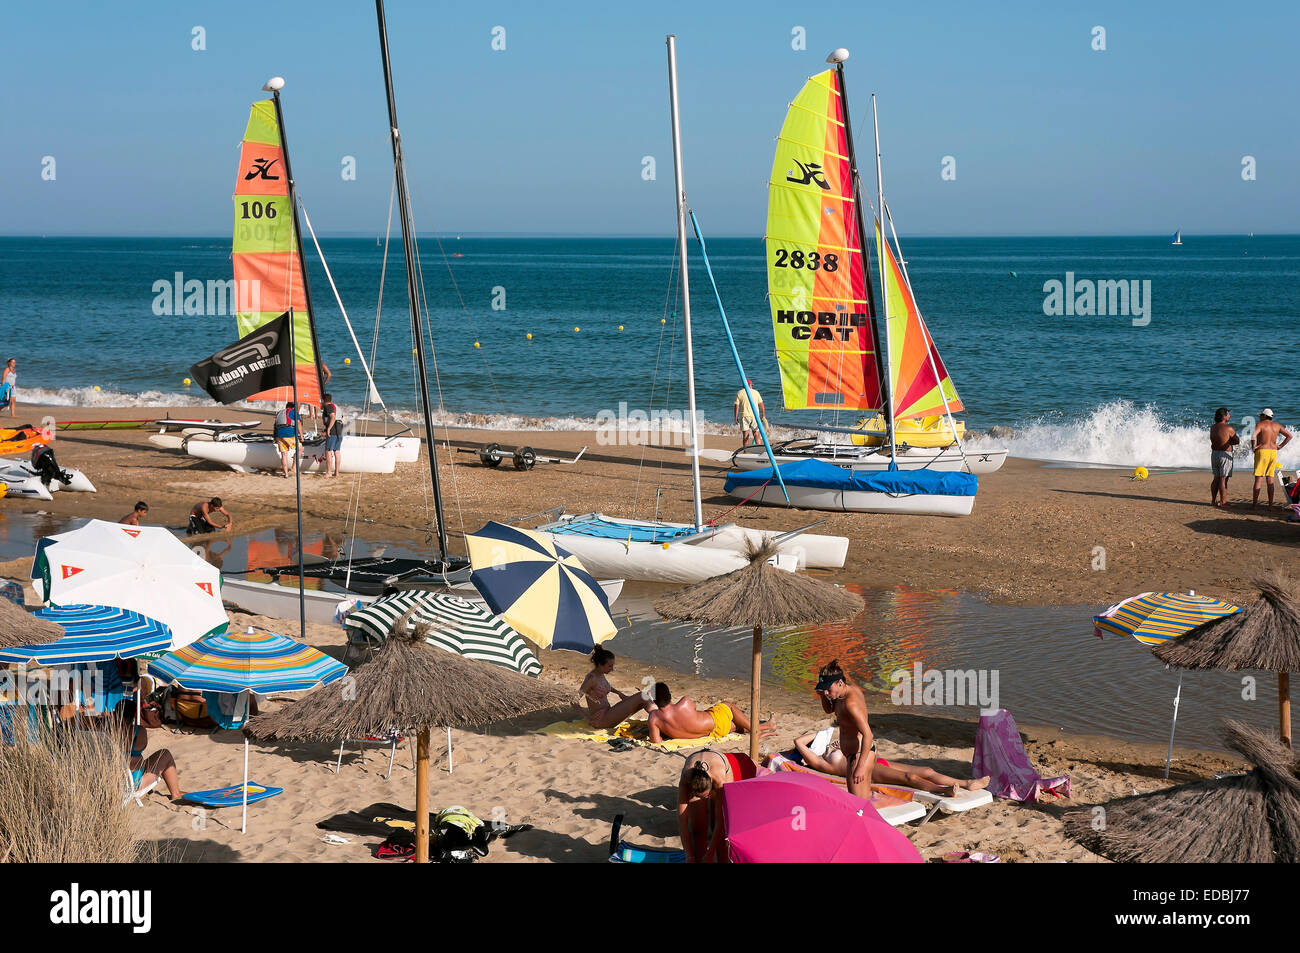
620	327
476	343
186	382
347	360
96	387
1140	473
663	320
529	335
665	545
576	330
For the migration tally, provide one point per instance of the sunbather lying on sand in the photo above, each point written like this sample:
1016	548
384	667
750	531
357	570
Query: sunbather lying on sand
700	819
596	690
681	719
832	761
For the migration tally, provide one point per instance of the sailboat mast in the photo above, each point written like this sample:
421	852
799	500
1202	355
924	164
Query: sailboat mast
882	366
884	295
412	281
685	278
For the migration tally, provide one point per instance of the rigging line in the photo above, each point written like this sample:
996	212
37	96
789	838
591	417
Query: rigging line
654	381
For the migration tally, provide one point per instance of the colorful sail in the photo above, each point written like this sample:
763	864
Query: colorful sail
916	372
268	271
821	302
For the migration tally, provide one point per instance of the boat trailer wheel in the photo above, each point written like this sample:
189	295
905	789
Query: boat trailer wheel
525	458
491	455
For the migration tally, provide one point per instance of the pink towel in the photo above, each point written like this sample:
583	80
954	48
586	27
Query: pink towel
1000	755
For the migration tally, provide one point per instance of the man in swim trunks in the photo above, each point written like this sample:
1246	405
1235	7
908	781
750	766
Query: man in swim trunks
700	820
849	706
1266	450
200	521
744	414
136	515
288	434
681	719
1222	439
333	436
832	761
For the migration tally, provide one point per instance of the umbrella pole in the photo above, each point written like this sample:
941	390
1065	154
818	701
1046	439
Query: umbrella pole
422	796
755	680
1173	727
1284	705
450	767
243	825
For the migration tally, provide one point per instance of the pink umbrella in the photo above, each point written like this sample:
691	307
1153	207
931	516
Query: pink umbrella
796	818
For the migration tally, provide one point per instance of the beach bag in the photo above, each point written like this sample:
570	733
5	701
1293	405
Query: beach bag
192	710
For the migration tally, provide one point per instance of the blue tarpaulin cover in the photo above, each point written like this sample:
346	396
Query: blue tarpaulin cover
827	476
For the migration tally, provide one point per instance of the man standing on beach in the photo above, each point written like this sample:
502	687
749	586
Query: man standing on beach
745	416
288	434
850	709
1266	450
1222	439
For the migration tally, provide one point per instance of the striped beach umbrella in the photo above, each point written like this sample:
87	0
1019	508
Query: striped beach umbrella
241	662
92	634
538	588
459	626
1154	618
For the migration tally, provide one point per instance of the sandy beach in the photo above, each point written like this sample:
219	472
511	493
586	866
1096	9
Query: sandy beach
1032	541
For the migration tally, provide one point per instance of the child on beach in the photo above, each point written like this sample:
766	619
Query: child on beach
596	690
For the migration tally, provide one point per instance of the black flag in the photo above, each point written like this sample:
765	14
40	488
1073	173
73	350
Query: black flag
256	362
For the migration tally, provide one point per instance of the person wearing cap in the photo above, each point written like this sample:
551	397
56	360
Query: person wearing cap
745	416
849	706
1266	450
1222	439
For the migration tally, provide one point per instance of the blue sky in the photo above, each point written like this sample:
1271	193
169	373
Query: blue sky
1049	136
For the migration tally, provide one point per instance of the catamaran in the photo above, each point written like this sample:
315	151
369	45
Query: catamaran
1178	237
660	551
828	343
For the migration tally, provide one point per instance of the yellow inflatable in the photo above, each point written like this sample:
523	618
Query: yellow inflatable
913	431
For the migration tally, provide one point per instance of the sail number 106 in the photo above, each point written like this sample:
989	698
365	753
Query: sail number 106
812	261
258	210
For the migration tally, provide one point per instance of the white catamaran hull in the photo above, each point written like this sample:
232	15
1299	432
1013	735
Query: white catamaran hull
17	471
946	459
861	501
406	449
18	484
712	554
263	455
281	602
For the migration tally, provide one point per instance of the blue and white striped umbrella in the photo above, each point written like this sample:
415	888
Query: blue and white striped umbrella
247	661
93	634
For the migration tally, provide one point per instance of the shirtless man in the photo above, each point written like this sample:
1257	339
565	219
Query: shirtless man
849	706
1266	450
700	820
832	761
681	719
1222	439
136	515
201	521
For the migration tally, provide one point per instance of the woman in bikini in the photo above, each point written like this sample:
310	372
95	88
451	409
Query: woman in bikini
832	761
596	691
160	764
700	820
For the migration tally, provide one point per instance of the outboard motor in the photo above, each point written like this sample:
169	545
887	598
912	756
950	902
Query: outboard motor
47	466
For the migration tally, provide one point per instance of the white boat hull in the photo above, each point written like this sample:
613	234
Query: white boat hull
860	501
688	562
17	469
20	485
262	455
945	459
281	602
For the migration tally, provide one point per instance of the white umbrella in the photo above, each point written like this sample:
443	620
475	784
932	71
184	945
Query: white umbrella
141	568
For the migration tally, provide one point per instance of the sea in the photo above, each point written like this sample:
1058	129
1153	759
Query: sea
562	333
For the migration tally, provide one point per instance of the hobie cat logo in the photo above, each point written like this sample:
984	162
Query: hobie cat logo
262	170
812	173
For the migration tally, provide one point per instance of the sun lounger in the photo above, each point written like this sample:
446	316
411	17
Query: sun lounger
621	852
895	805
935	803
137	794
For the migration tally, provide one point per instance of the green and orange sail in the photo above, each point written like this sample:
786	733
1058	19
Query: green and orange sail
822	316
268	269
918	379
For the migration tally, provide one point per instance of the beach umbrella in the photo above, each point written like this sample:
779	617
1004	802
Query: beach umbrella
760	596
538	588
456	625
20	627
410	687
1244	818
142	568
243	662
92	634
1263	636
796	818
1155	618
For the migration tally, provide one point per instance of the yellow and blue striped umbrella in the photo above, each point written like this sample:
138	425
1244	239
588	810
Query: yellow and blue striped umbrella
540	590
1156	617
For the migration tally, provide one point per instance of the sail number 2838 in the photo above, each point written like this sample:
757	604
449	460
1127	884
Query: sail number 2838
812	261
258	210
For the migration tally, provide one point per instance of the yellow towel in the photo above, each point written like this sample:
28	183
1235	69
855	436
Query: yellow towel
638	732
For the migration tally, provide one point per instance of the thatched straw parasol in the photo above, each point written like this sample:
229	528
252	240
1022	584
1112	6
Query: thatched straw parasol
410	686
761	596
20	627
1248	819
1264	635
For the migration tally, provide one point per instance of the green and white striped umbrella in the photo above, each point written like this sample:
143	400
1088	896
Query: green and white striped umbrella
459	626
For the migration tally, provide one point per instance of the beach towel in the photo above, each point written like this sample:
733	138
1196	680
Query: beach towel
228	709
637	732
232	796
1000	755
